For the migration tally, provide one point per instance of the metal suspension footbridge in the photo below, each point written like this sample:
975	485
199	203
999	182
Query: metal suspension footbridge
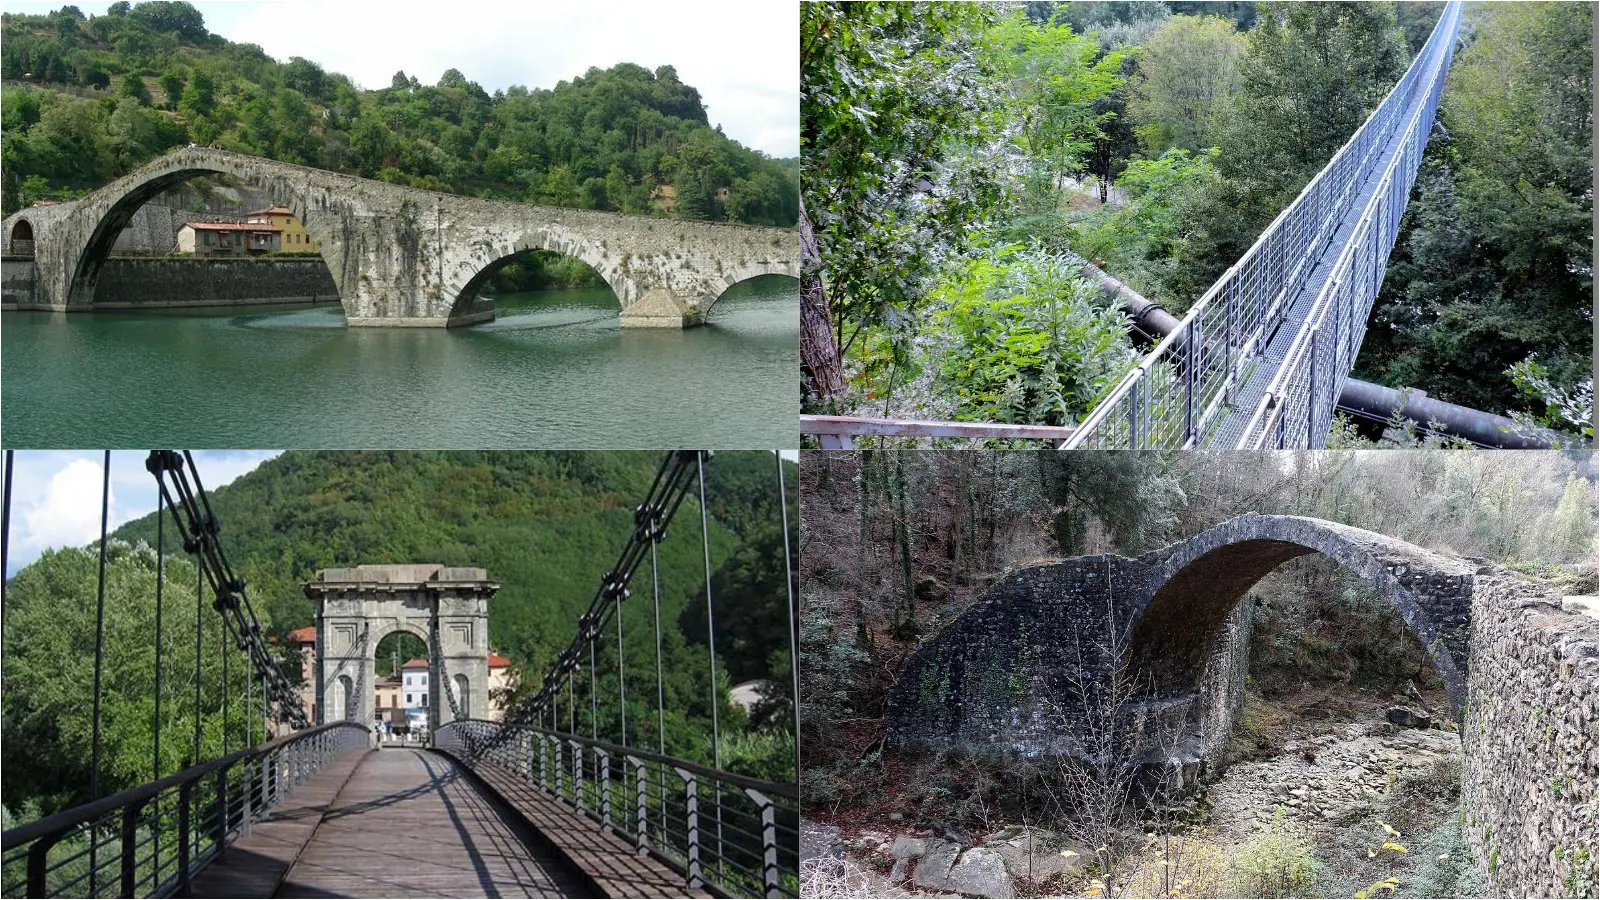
562	797
1262	359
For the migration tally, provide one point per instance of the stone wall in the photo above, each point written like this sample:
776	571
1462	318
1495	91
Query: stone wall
1529	735
19	283
186	281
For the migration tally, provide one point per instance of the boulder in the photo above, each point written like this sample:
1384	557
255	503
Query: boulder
1406	717
1038	860
820	841
981	872
907	847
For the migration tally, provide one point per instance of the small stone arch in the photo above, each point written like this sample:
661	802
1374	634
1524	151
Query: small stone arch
463	689
343	698
20	241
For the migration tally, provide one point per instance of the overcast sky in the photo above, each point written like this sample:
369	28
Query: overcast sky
56	498
744	57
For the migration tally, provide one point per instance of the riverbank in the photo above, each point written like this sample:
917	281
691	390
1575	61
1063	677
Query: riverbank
183	282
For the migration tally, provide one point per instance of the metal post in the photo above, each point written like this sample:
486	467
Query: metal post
794	632
641	806
130	839
185	798
5	536
692	826
577	774
769	842
603	760
711	622
221	824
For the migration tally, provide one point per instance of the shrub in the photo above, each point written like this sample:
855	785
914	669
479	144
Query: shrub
1275	863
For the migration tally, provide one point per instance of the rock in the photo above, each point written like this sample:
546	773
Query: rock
1037	860
931	590
897	817
897	874
981	872
933	872
907	847
1406	717
820	841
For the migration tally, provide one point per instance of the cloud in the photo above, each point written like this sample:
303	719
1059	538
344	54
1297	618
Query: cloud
69	512
56	494
743	57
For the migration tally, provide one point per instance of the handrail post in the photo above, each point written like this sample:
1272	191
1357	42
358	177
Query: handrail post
603	760
221	834
130	840
39	865
692	826
769	841
641	805
185	797
544	760
577	774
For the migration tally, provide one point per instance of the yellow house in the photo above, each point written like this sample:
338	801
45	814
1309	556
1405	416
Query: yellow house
295	239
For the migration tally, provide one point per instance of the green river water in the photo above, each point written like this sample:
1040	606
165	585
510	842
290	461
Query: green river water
553	370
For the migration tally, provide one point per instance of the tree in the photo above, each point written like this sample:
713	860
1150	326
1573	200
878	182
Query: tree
199	98
1311	75
133	88
172	83
1187	82
174	16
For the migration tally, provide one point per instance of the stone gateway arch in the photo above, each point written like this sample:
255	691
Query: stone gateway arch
447	608
408	257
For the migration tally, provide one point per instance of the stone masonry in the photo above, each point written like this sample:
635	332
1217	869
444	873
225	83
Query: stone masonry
358	607
1529	736
407	257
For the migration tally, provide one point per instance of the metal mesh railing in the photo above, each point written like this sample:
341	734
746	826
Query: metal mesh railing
734	835
151	841
1210	366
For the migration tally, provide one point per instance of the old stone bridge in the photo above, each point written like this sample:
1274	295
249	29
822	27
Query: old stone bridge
402	256
1027	668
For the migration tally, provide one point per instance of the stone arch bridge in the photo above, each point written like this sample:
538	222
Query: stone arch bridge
403	256
1021	671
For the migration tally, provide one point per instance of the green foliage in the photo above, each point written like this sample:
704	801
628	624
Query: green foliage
609	139
1187	83
50	625
1275	863
1493	264
1031	341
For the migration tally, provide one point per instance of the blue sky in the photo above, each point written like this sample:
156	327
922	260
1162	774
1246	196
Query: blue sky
55	500
743	56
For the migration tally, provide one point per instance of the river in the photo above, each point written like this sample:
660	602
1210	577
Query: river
553	370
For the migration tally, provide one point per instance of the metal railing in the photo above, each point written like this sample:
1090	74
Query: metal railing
732	835
1188	385
152	840
839	432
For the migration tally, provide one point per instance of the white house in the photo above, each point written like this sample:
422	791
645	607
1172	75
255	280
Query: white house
414	683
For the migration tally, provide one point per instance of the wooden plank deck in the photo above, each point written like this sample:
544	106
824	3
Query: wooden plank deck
254	865
612	865
408	823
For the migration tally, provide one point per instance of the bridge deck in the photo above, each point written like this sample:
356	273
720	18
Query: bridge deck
1231	429
408	823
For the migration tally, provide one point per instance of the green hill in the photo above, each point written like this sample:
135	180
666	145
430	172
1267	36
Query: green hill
87	99
546	524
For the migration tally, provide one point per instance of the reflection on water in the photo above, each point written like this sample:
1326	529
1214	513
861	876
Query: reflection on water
553	370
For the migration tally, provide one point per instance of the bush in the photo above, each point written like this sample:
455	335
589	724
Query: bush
1446	869
1275	863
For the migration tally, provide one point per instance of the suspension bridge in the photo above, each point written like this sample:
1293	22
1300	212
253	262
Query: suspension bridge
553	799
1263	358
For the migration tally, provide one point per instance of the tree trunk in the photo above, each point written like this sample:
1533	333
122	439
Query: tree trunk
820	375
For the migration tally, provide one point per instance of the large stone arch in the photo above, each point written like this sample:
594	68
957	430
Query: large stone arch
472	269
446	607
1000	677
734	275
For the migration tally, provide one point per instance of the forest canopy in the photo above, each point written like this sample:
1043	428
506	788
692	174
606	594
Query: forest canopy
88	98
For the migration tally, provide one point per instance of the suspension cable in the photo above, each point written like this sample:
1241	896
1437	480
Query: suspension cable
198	595
661	695
711	624
99	664
622	682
